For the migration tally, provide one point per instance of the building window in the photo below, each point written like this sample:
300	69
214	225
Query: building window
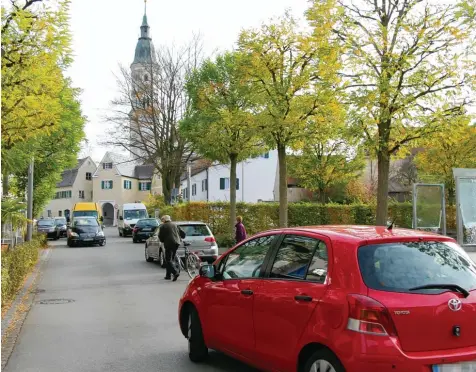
127	185
64	194
89	176
144	186
106	165
205	185
225	183
185	193
49	213
81	194
60	214
194	189
265	155
106	185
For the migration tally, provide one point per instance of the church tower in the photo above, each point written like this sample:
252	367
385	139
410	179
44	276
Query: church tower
142	71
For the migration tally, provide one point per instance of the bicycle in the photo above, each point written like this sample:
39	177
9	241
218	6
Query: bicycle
190	263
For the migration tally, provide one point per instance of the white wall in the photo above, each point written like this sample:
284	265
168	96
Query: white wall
257	179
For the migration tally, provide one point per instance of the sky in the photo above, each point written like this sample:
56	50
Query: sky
105	34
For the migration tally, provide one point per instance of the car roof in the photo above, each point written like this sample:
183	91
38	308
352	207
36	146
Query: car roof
190	223
363	233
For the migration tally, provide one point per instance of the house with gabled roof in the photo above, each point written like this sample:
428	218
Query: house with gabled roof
120	180
76	186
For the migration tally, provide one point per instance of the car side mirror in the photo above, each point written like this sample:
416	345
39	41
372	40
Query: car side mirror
207	271
121	218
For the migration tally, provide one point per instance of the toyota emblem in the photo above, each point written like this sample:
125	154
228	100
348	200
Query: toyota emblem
455	304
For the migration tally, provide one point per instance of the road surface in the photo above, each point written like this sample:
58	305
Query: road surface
119	315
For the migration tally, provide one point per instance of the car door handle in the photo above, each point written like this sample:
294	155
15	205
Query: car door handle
303	298
247	292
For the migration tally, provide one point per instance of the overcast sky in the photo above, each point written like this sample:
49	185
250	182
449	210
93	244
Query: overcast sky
105	34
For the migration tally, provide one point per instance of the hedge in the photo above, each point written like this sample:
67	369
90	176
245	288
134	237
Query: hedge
265	216
16	264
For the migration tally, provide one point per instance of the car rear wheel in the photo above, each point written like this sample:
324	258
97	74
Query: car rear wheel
161	258
147	257
323	361
197	350
102	243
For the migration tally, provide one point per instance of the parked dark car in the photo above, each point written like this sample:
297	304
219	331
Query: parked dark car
48	227
144	229
85	231
61	224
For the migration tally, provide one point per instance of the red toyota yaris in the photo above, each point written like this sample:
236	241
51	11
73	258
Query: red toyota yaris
335	299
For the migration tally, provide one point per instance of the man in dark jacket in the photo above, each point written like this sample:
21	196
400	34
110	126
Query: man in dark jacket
171	235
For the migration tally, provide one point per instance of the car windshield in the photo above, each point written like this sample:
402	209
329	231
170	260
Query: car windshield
86	222
195	230
401	266
135	214
60	221
85	214
46	223
149	222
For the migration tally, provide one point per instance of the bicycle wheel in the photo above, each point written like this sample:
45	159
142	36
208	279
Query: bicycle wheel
193	265
178	264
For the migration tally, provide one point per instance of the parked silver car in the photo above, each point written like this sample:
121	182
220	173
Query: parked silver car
198	234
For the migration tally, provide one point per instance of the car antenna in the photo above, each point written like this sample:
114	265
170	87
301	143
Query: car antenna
390	227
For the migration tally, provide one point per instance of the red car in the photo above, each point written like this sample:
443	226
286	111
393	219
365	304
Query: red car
335	299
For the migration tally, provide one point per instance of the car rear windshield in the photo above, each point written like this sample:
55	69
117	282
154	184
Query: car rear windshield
60	221
151	222
400	266
196	230
46	223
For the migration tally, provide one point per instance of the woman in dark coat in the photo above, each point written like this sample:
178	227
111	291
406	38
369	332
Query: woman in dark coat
240	231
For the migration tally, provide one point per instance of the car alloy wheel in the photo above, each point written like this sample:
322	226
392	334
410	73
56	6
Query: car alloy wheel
147	257
322	366
161	258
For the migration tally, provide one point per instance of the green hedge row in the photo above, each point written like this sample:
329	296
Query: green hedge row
16	264
265	216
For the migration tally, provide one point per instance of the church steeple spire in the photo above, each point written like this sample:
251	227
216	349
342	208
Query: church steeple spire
144	28
144	48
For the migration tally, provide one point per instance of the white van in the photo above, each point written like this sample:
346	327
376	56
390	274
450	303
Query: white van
129	214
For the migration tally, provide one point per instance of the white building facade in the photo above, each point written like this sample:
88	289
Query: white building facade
256	178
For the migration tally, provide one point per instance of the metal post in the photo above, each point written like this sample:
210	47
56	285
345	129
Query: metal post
29	231
443	209
415	225
189	181
243	181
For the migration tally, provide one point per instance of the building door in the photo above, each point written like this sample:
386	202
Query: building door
108	214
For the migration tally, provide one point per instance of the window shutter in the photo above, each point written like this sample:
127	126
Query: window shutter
237	183
149	185
102	185
140	186
110	184
266	155
125	184
222	184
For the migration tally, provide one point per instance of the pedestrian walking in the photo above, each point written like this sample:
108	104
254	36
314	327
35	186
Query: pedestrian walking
240	231
171	235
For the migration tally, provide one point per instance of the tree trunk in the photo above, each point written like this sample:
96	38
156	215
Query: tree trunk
233	158
322	196
167	187
283	187
5	185
383	167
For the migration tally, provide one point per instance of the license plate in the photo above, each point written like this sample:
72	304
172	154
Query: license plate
88	240
146	229
457	367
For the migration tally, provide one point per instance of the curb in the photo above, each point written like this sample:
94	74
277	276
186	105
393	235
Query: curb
16	315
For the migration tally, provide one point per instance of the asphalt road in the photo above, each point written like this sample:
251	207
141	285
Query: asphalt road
122	315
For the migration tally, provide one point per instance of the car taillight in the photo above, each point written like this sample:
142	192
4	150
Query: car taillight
369	316
135	229
210	239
